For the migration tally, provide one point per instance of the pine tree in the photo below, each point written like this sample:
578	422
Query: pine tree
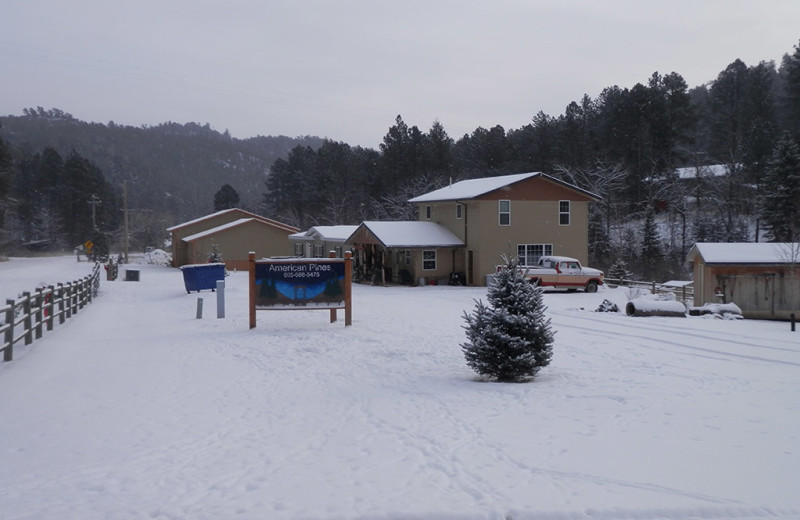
619	270
510	339
215	255
651	256
780	204
226	198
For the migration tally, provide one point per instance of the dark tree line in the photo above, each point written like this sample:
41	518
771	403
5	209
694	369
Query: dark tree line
59	203
626	145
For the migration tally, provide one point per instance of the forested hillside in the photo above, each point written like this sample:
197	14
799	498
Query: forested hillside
627	145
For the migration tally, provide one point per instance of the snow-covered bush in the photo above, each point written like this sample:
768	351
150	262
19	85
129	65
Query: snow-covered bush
510	339
156	257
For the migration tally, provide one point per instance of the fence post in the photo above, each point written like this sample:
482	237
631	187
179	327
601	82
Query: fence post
39	306
61	310
332	254
81	293
89	284
49	307
68	300
26	318
199	308
8	353
74	299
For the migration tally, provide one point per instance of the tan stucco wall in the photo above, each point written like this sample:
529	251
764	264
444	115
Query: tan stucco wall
235	243
179	253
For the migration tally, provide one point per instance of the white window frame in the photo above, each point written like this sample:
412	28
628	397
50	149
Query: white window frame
427	261
531	252
501	213
459	211
564	214
319	250
299	249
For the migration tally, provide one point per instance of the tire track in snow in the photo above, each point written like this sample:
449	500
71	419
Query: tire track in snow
620	331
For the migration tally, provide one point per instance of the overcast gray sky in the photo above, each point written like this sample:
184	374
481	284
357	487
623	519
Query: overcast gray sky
345	69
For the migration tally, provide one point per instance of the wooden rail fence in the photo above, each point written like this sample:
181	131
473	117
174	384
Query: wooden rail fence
684	294
25	318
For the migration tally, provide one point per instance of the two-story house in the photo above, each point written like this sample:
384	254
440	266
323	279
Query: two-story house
526	214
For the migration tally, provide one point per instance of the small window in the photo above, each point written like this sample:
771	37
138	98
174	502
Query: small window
459	211
339	251
563	212
429	260
504	212
408	257
317	250
428	212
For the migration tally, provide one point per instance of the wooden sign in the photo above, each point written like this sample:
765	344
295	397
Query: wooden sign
301	284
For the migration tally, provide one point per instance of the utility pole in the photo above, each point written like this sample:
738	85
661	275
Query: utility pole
125	219
94	202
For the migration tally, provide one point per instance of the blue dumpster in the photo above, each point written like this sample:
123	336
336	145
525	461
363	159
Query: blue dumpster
197	277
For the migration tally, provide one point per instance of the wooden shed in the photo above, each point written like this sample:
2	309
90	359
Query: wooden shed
763	279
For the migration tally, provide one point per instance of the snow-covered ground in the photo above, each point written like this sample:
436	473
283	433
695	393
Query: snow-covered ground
135	409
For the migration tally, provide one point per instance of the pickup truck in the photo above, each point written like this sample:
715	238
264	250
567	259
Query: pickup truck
564	272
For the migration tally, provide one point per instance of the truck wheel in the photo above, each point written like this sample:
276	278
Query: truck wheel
591	287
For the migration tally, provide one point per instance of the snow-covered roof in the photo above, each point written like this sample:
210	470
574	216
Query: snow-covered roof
746	252
412	234
708	170
204	217
217	229
233	210
677	283
328	233
472	188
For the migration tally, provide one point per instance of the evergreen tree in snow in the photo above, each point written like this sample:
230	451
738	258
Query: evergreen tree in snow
510	339
215	255
226	198
619	270
780	205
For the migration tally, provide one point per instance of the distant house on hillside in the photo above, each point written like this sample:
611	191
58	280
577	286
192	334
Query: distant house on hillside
763	279
233	232
527	215
319	241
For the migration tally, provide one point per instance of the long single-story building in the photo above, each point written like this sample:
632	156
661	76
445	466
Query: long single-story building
233	233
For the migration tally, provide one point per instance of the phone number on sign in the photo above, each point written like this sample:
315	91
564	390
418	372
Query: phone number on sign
301	274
